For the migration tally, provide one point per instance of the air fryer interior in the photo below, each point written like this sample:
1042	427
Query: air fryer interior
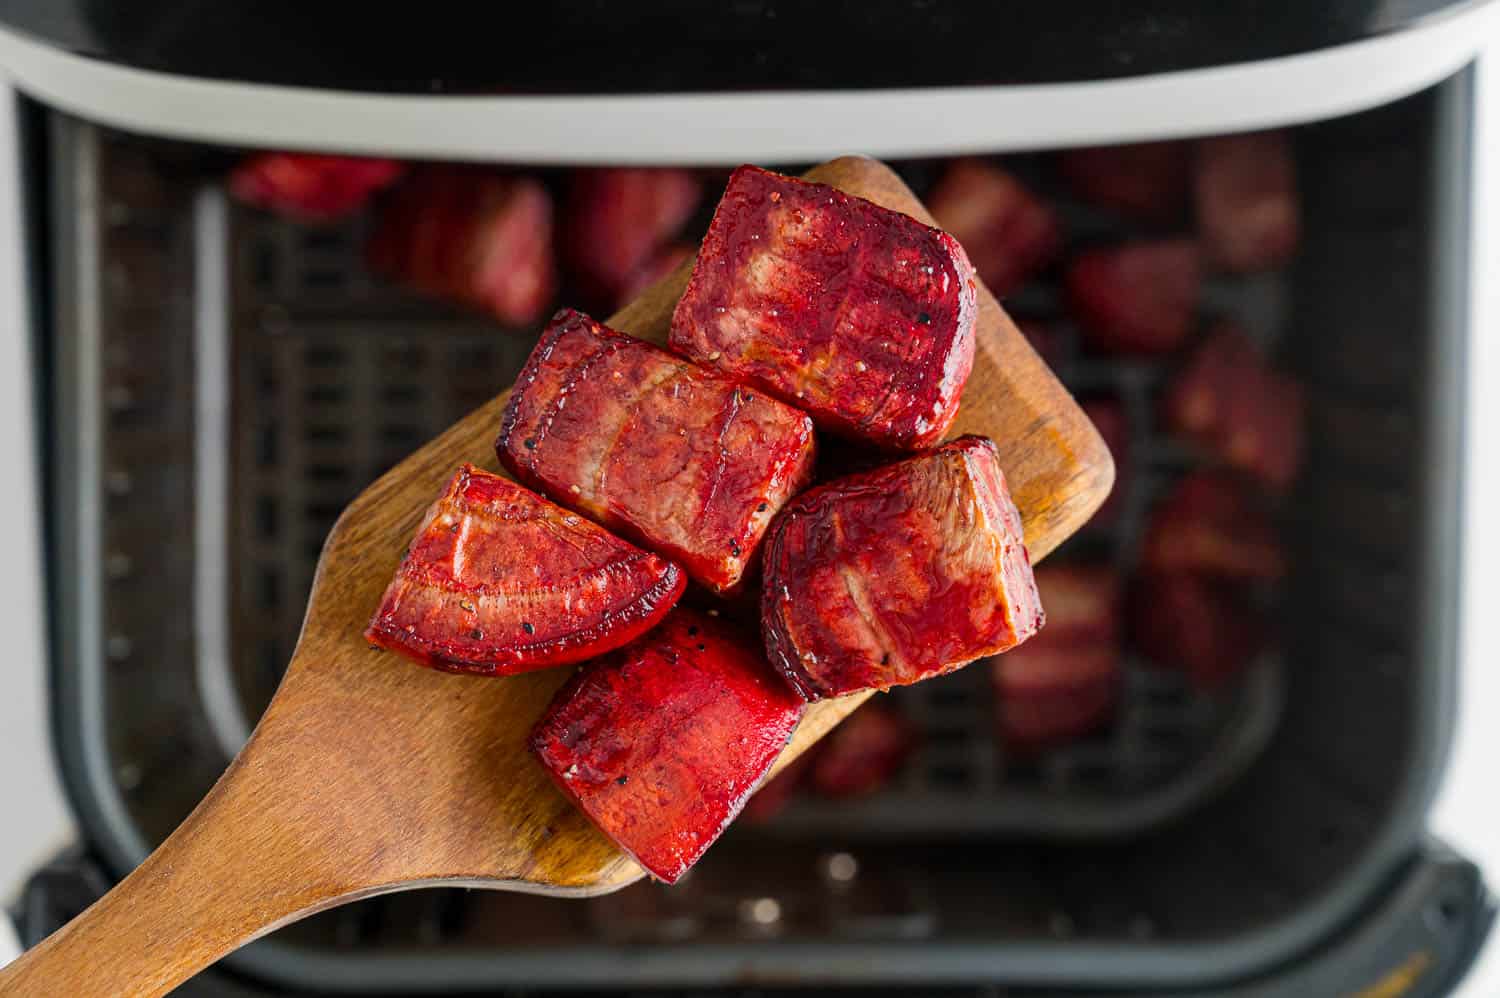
225	382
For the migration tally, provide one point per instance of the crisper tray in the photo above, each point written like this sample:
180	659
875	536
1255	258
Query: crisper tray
338	376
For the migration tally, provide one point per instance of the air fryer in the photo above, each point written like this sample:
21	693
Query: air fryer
217	383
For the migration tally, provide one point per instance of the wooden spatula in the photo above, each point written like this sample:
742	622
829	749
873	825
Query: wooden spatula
368	774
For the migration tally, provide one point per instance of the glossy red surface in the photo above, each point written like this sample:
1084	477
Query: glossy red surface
1210	524
1208	629
662	742
1063	683
308	187
1245	191
473	237
1229	401
1008	232
498	580
896	575
616	219
864	753
1138	297
667	452
860	316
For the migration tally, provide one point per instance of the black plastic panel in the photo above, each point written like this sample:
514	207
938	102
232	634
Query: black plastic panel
603	47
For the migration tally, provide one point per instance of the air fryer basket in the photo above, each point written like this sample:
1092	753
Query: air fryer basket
1196	839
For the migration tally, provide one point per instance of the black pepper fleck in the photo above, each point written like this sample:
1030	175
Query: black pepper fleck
692	630
476	634
622	780
452	530
762	507
530	443
923	318
526	626
885	659
701	647
734	548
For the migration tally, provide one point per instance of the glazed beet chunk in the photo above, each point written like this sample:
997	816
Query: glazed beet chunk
311	188
896	575
1245	188
1062	683
861	316
1008	232
1210	525
1229	401
616	219
1147	181
472	237
1135	298
667	452
662	742
498	581
862	755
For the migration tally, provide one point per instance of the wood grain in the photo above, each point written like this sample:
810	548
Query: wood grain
368	774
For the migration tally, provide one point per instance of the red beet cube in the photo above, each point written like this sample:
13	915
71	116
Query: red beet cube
667	452
499	581
1064	681
861	316
1245	188
311	188
862	755
1206	628
472	237
1229	401
615	220
1209	524
896	575
1147	181
662	742
1008	232
1137	297
1108	417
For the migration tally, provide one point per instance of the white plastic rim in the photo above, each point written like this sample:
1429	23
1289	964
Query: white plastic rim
763	127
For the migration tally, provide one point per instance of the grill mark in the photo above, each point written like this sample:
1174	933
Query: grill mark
729	413
574	377
666	374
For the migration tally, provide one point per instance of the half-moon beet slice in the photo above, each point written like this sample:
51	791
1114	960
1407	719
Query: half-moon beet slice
498	581
662	742
896	575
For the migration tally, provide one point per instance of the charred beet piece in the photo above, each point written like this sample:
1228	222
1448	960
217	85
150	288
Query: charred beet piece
662	742
861	316
1135	298
470	236
675	456
897	575
1146	181
1206	628
1209	524
1229	401
1108	417
498	581
1062	683
311	188
862	755
615	220
1245	186
1008	232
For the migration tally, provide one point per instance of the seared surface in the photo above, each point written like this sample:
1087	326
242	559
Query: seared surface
673	455
859	315
899	574
662	742
499	581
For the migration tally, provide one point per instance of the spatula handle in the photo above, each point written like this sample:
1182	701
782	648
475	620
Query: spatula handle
231	872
